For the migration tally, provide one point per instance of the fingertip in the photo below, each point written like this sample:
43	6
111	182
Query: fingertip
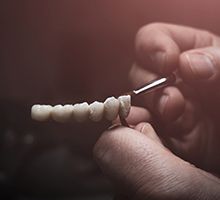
148	130
137	115
171	62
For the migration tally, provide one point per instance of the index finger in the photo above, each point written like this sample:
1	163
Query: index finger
159	45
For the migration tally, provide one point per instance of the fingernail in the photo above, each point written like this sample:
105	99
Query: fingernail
201	65
158	59
143	129
146	128
162	104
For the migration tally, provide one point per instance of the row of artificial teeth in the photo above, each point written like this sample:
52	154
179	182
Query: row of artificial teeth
83	111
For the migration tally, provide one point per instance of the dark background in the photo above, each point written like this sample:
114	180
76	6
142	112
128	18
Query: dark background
65	51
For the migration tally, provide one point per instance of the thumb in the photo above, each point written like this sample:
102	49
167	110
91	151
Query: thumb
201	66
138	164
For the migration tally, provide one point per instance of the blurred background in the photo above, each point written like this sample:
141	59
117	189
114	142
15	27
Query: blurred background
54	51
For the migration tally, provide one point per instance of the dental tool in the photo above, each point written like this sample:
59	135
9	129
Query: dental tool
147	88
153	85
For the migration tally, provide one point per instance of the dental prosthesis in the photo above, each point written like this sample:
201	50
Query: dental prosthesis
80	112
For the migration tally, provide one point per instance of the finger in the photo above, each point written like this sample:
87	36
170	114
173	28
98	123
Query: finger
177	133
159	45
143	169
170	104
201	66
185	122
148	130
136	115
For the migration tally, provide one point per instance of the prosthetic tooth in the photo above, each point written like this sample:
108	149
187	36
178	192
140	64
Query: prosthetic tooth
81	112
57	113
96	111
111	108
62	113
67	112
41	112
125	105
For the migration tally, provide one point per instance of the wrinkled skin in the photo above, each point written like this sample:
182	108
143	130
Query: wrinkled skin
185	117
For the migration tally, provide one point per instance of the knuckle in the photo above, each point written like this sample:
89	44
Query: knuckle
155	25
145	32
152	27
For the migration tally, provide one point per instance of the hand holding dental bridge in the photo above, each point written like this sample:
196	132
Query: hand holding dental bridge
96	111
180	157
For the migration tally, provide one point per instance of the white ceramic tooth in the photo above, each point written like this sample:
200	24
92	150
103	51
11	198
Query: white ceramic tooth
81	112
111	108
62	113
41	112
67	112
57	113
96	111
125	105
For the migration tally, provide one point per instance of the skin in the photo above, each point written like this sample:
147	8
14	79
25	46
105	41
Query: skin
180	157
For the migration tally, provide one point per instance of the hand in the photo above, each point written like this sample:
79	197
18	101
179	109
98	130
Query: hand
188	114
186	119
140	166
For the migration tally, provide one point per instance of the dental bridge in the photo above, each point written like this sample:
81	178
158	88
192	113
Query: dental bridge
96	111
